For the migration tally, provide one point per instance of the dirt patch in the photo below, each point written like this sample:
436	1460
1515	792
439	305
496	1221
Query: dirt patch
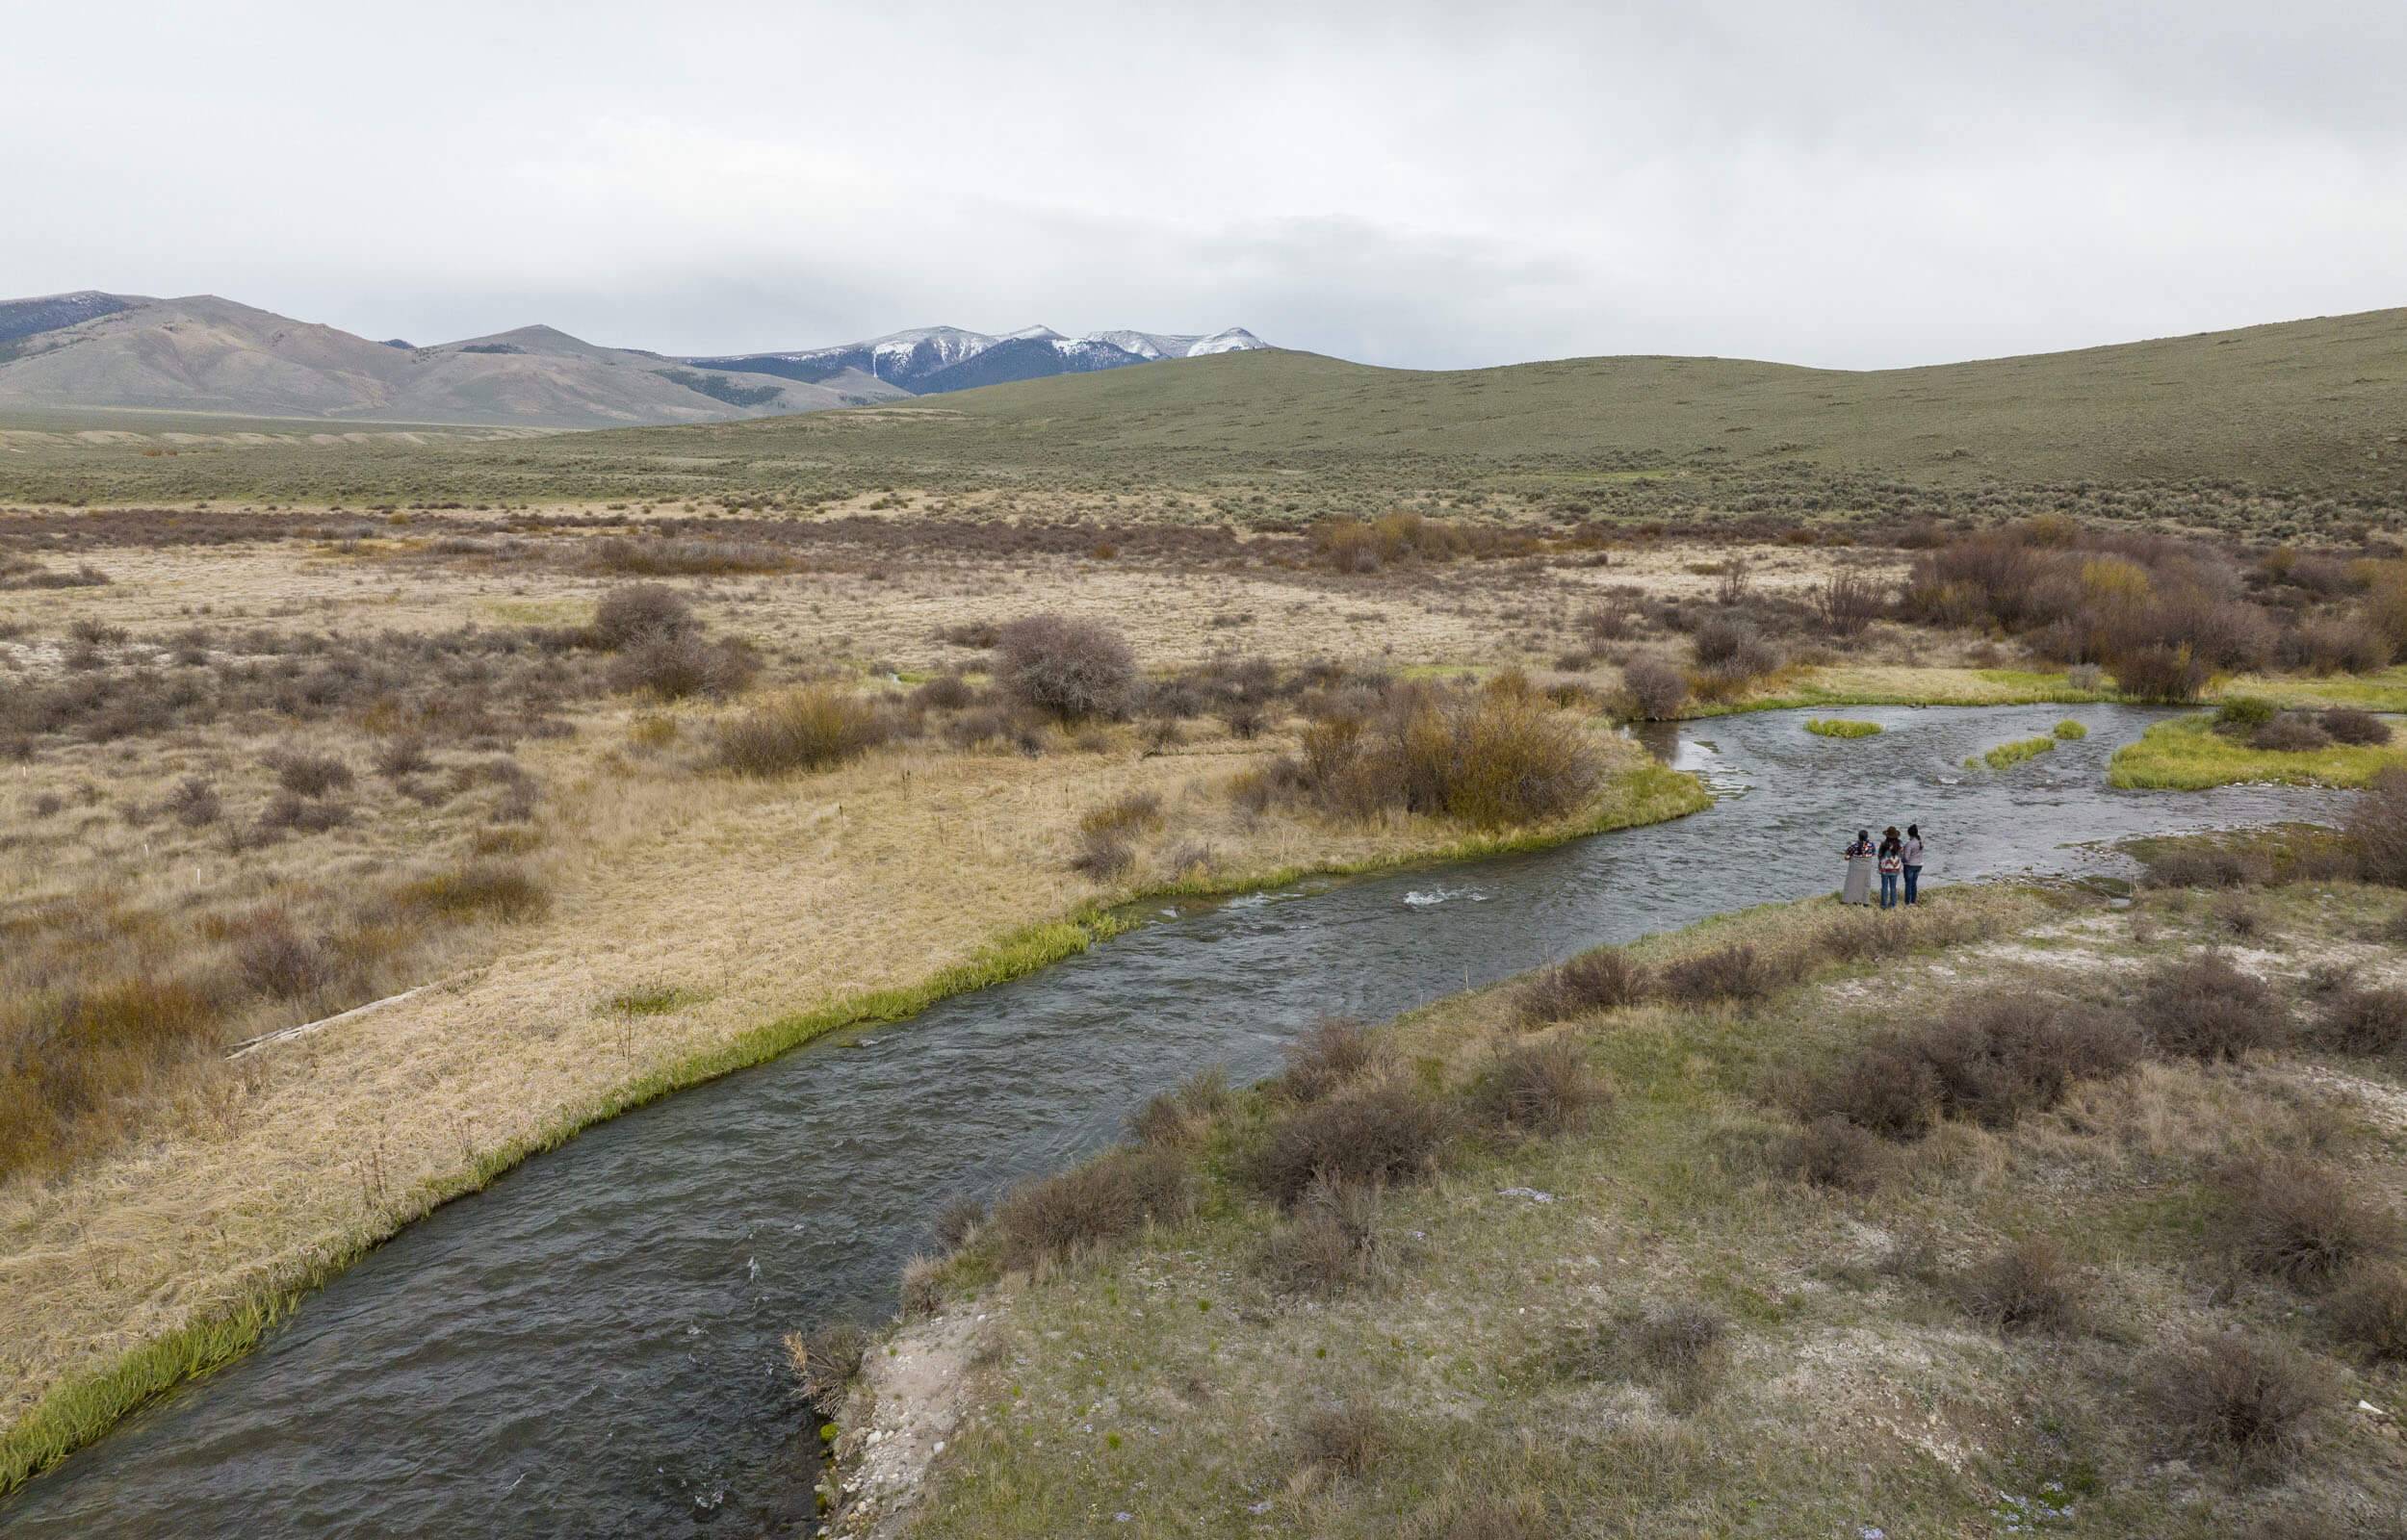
907	1409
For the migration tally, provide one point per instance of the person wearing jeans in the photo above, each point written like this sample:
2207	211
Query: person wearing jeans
1892	863
1911	856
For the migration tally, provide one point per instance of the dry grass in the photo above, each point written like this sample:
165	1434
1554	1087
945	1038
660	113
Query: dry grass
257	1171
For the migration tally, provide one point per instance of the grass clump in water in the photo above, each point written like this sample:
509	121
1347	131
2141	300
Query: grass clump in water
2069	731
2006	755
1841	728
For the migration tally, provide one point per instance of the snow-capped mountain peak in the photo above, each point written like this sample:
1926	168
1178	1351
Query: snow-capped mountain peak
929	359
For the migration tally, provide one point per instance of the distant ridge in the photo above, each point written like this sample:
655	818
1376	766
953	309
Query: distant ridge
201	353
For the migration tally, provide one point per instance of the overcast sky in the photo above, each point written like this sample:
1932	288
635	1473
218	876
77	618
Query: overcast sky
1856	185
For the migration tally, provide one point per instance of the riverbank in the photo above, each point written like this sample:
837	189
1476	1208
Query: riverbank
663	966
1657	1300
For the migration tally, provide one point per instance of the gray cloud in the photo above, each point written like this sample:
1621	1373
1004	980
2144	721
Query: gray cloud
1434	185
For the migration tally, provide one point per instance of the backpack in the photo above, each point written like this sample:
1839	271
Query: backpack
1889	864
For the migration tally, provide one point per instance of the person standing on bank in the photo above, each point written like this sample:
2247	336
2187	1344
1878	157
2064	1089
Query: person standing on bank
1912	856
1892	864
1859	855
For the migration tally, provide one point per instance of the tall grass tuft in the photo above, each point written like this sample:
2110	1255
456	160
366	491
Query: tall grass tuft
813	727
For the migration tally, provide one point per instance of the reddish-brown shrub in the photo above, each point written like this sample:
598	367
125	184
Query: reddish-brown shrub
2345	725
1542	1087
2202	1007
626	616
2369	1309
2377	826
2297	1220
1602	979
1652	690
2029	1285
1334	1053
1375	1134
2248	1402
1113	1195
1071	668
1736	972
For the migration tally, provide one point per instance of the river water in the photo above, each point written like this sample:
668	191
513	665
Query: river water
590	1346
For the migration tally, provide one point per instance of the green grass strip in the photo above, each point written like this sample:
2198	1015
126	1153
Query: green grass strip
2187	754
79	1410
1835	726
2007	754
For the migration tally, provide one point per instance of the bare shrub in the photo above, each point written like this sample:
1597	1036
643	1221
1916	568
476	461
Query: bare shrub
1602	979
1114	1195
2029	1285
2161	672
1721	638
1376	1134
1848	601
1991	1063
2372	1022
1071	668
2290	733
2192	865
2369	1309
2296	1219
945	692
1544	1087
825	1362
2016	1054
1329	1246
1736	972
1102	856
289	814
1677	1349
626	616
2362	728
275	962
2202	1007
1182	1115
1345	1438
2243	1401
813	727
1652	690
1336	1052
2239	916
1829	1152
311	774
403	757
680	665
194	803
2378	828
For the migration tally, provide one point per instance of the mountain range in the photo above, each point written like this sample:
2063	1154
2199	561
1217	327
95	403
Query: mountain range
201	353
934	359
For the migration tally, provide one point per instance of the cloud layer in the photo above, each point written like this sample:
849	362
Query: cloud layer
1853	185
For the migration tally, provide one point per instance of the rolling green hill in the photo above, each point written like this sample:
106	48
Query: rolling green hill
2312	411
